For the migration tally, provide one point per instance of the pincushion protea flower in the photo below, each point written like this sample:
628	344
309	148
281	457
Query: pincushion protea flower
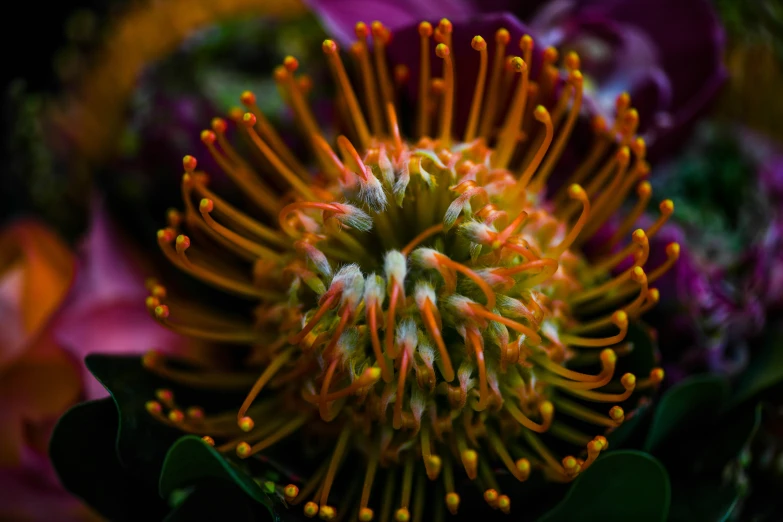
420	301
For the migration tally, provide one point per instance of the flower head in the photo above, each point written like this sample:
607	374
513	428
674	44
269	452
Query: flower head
421	300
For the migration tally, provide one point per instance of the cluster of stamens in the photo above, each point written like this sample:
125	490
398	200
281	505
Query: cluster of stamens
419	302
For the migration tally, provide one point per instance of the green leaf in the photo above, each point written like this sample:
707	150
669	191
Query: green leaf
765	370
620	485
143	441
83	452
191	461
690	401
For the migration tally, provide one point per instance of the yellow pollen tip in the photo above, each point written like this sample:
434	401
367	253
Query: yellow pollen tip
518	64
608	356
616	413
491	496
247	98
402	515
502	36
628	380
425	29
366	514
290	63
243	450
310	509
478	43
541	114
164	395
372	374
327	513
150	359
153	406
442	50
575	191
161	311
183	242
673	249
576	78
361	30
667	206
620	318
504	503
249	119
444	25
189	162
570	463
208	440
637	274
624	155
656	375
329	46
572	60
246	424
219	125
206	205
546	409
151	302
290	492
208	137
452	502
176	416
638	235
523	465
235	113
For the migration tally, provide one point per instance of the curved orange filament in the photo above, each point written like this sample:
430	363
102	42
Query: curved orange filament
547	265
209	380
281	168
333	165
509	133
391	351
394	128
565	132
238	240
344	85
502	38
217	334
368	82
379	36
629	383
520	328
447	112
369	477
342	443
324	307
604	288
266	375
581	412
530	256
576	192
525	421
349	152
180	259
478	347
543	116
301	205
479	45
423	235
422	116
473	276
587	342
431	324
323	404
667	209
371	311
402	376
287	429
502	452
638	240
644	193
607	368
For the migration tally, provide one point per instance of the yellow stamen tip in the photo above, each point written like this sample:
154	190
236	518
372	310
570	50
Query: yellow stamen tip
290	492
575	191
243	450
616	413
504	503
246	424
329	47
310	509
518	64
478	43
667	206
153	406
608	356
176	416
547	409
402	515
502	36
541	114
208	440
366	514
491	496
442	50
656	375
189	162
327	513
628	380
452	502
673	249
523	465
425	29
570	463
